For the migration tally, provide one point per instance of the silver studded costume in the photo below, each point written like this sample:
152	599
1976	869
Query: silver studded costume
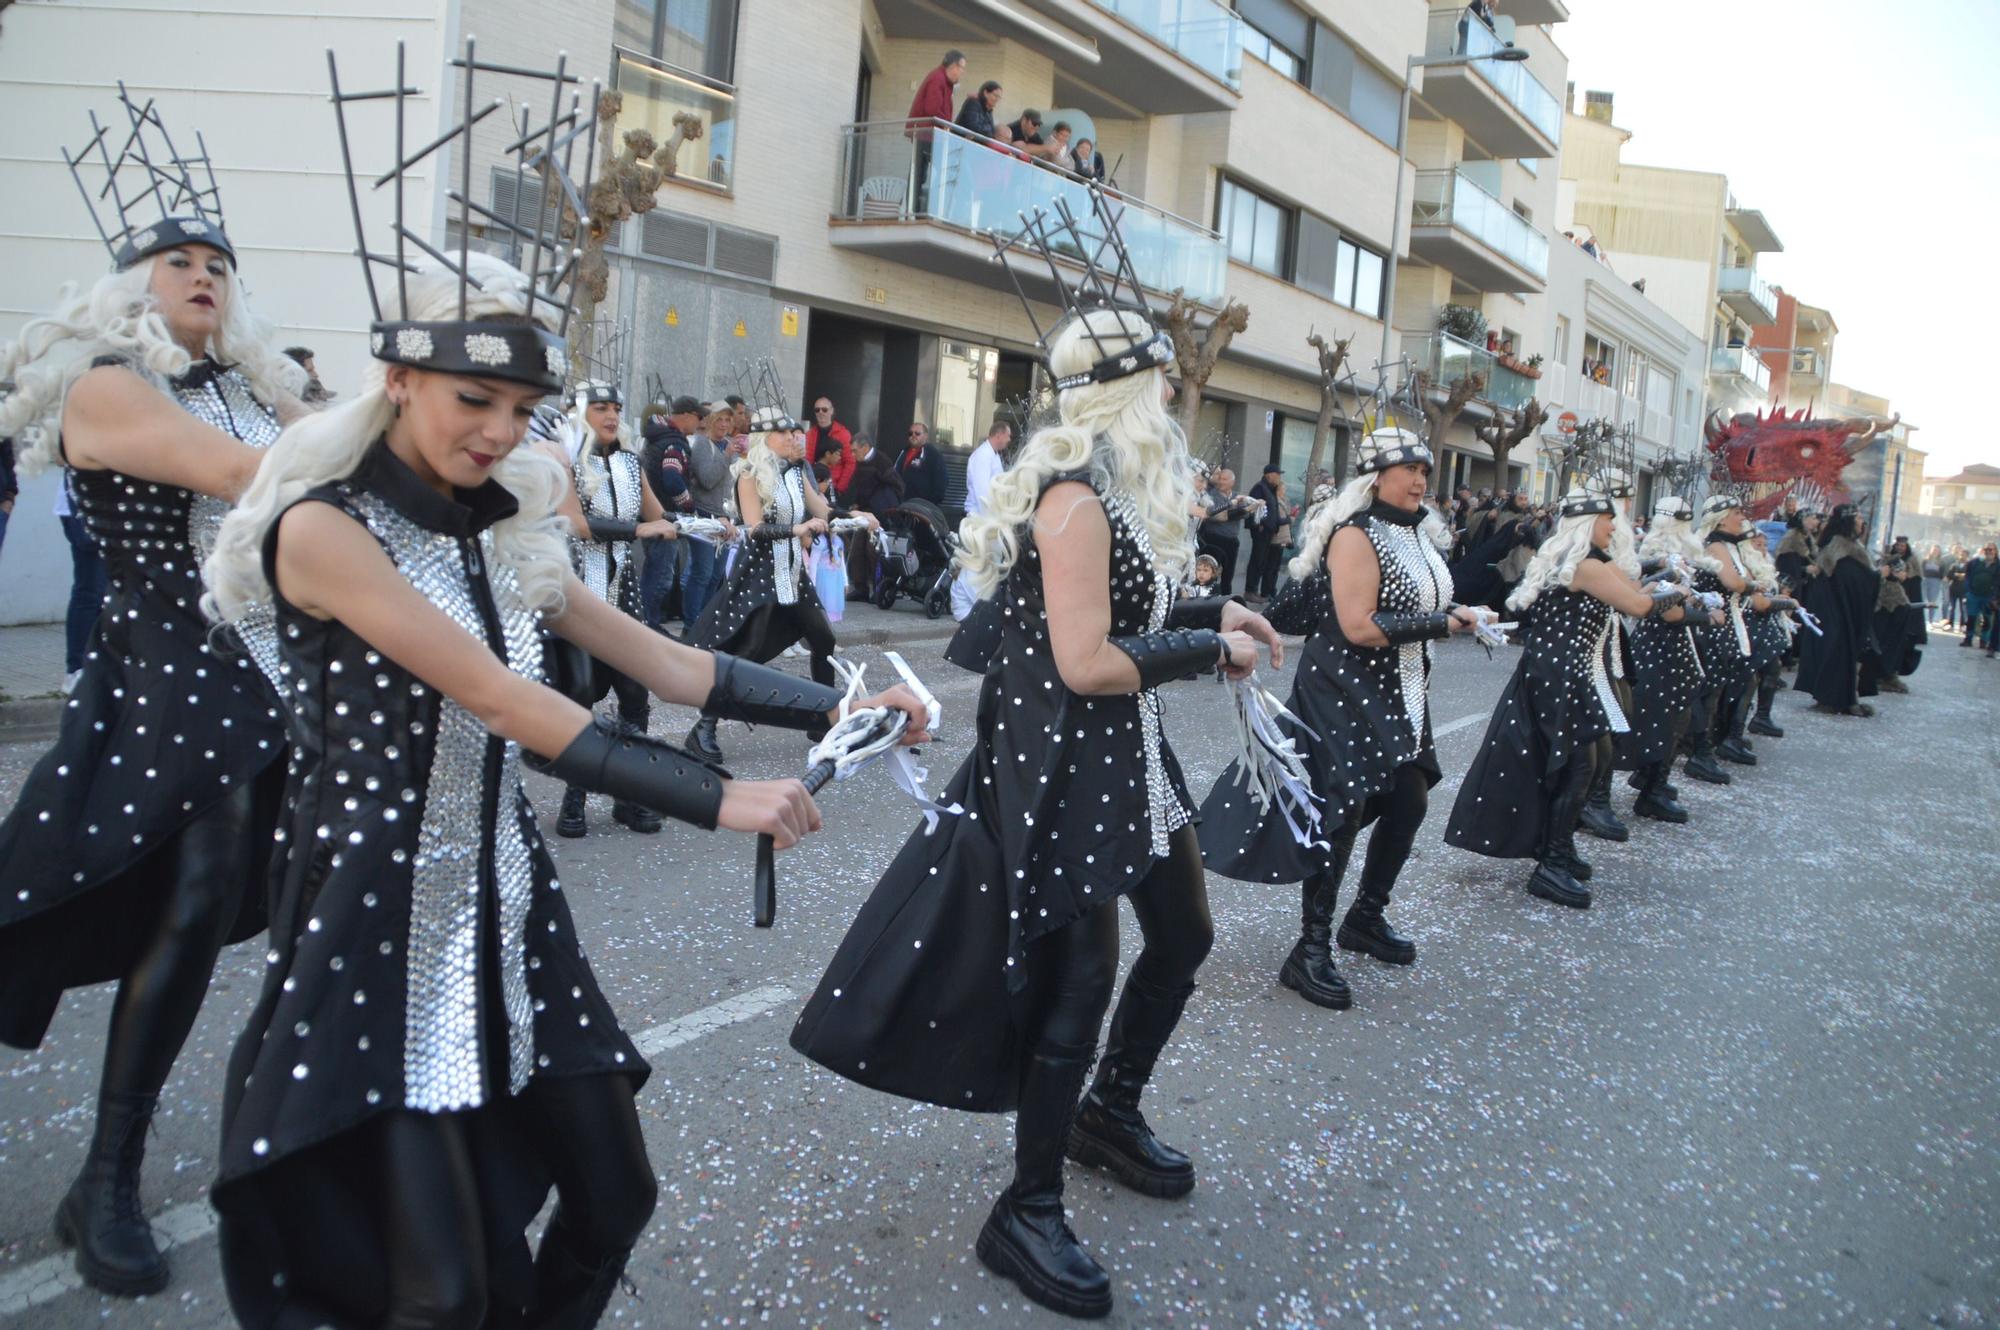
1367	710
1065	798
768	603
422	953
1558	703
610	485
169	719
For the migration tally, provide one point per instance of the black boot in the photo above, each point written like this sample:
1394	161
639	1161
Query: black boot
1309	970
634	717
573	1283
1554	878
570	823
701	741
1109	1132
1733	746
1653	777
1761	723
101	1216
1026	1238
1701	764
1598	818
1656	797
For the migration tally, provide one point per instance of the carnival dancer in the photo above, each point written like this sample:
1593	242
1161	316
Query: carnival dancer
977	974
137	847
1794	557
1527	786
1770	631
770	602
430	1053
1724	704
1372	591
1838	664
1666	665
619	509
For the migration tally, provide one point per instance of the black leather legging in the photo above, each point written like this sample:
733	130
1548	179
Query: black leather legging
1073	969
418	1217
201	889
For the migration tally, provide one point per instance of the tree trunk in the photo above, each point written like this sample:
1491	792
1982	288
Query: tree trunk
1196	359
1330	360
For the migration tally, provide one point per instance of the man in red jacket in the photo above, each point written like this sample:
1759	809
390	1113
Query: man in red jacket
827	441
932	102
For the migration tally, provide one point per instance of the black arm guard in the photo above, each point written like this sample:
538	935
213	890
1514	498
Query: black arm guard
770	532
1664	599
1171	653
1200	612
1653	567
1401	628
1781	604
640	770
610	528
764	696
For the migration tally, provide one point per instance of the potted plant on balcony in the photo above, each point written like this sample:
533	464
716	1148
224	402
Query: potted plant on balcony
1532	367
1463	322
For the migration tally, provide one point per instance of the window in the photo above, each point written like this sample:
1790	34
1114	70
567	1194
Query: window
1258	230
697	35
1279	35
1560	347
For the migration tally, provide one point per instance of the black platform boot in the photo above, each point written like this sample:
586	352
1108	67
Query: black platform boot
701	741
1026	1237
1701	764
1598	818
1309	970
1364	929
570	823
1109	1132
1653	776
573	1282
1656	797
101	1216
1761	723
1554	878
1733	747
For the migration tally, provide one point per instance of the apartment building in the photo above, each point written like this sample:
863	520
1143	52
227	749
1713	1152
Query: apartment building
1888	471
1685	236
1963	507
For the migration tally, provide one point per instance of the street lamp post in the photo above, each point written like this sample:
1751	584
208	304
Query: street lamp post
1509	53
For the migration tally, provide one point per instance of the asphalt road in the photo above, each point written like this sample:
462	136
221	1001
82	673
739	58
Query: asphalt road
1756	1085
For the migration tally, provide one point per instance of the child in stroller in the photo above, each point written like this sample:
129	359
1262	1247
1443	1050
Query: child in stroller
915	548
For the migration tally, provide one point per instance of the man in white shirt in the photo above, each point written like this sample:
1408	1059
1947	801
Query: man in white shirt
988	460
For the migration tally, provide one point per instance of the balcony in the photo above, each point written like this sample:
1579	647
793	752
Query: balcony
1447	359
1461	228
1500	104
1741	370
1206	34
941	217
1748	295
655	93
1538	11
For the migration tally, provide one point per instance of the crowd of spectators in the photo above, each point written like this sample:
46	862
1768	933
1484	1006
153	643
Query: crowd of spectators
1055	146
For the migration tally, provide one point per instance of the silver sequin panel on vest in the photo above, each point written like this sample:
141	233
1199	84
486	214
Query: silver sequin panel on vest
788	508
614	484
1167	813
443	1043
1736	601
226	402
1600	677
1415	580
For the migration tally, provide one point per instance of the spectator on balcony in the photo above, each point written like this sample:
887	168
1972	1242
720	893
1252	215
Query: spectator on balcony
1477	9
1085	161
976	115
824	428
922	467
1056	150
932	102
1026	134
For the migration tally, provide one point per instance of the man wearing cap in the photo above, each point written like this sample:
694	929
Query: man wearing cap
1261	581
664	458
709	487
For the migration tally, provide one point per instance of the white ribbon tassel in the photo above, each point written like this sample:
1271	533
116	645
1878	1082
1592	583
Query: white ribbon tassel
1270	766
859	737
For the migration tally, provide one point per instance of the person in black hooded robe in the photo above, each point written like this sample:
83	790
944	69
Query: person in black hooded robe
1838	664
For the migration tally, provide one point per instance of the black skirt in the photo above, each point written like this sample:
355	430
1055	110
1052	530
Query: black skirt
748	620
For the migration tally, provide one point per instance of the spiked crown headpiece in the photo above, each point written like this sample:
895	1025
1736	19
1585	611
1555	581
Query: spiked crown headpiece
152	198
1601	470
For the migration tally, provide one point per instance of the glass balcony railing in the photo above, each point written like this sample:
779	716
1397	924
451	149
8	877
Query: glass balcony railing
1447	359
1206	33
1745	283
657	94
919	170
1456	32
1742	362
1450	198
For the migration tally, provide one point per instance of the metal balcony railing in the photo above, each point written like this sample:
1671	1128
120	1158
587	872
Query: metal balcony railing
1447	359
1206	33
930	170
656	92
1456	32
1742	362
1451	198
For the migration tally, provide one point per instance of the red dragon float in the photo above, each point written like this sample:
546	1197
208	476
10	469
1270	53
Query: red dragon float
1778	456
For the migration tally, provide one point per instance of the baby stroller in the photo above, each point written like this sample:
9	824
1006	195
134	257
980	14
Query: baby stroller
913	557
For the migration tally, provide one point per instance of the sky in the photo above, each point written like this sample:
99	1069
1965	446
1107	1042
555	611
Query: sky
1869	137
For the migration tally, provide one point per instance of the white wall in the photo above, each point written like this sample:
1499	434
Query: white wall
254	81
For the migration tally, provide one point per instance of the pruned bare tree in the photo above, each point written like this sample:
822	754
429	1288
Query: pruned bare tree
1196	349
1507	429
1460	392
1331	358
627	184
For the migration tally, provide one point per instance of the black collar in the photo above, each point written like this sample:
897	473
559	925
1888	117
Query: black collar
1728	539
199	374
465	513
1600	555
1384	511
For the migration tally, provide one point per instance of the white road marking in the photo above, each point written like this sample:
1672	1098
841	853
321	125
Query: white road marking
1453	727
51	1277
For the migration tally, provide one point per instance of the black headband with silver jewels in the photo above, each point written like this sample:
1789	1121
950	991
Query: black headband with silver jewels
512	349
155	199
1155	352
590	394
1411	451
1581	505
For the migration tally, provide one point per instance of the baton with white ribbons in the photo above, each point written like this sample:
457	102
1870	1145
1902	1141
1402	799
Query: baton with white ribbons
1269	763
